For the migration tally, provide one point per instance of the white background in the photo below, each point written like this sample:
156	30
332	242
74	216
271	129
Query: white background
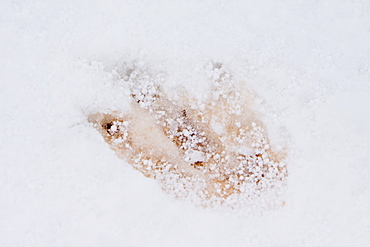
61	185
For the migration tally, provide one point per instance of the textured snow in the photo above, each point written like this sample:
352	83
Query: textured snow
61	185
173	142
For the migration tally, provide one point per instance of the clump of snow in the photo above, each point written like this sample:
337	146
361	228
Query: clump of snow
208	168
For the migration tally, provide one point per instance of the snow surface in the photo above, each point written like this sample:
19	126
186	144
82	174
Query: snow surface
61	185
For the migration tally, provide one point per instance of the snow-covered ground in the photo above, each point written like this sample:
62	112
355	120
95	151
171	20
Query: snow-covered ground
61	185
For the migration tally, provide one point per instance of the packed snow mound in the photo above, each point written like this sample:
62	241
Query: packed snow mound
213	152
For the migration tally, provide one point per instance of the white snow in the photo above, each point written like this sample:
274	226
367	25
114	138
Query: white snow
61	185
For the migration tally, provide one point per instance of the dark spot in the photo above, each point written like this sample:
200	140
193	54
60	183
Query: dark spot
184	113
107	126
197	164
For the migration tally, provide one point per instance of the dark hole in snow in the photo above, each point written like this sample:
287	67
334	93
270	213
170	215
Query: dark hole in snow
107	126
